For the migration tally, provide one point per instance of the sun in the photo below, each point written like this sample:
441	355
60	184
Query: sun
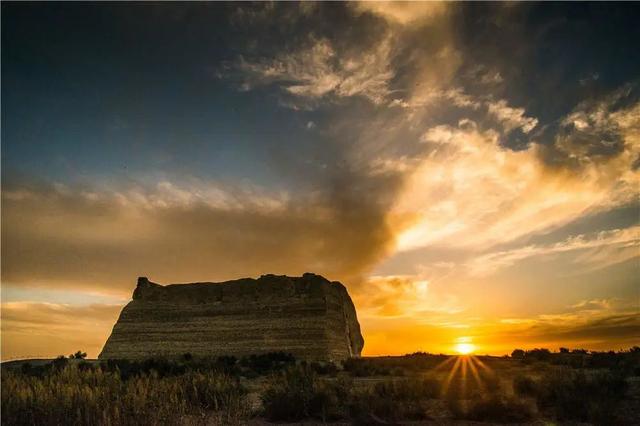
465	348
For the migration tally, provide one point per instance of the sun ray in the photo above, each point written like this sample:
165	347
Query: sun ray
452	373
474	372
444	363
465	363
482	364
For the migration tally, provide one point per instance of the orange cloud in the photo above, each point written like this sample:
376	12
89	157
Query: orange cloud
45	330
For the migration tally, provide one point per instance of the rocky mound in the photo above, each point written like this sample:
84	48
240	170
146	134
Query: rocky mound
309	317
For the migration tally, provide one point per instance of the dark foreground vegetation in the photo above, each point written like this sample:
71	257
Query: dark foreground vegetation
528	387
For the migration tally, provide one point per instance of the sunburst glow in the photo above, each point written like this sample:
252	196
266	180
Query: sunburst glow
465	348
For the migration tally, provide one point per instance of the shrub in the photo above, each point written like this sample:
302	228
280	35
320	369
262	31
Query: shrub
408	389
498	409
330	400
517	354
260	364
288	395
360	367
393	401
60	362
470	386
298	393
541	354
324	368
524	385
581	396
78	355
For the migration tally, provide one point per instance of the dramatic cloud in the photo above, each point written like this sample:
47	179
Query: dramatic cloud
65	237
390	145
471	191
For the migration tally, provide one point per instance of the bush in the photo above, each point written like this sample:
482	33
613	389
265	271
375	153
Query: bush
580	396
360	367
468	387
498	410
78	355
60	362
524	385
288	395
393	401
330	400
408	389
324	368
298	393
517	354
541	354
261	364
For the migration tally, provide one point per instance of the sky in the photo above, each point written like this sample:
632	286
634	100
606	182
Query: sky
470	171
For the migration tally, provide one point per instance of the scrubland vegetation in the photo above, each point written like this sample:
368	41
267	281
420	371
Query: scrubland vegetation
528	387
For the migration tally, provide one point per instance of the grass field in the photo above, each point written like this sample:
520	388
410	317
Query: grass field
534	387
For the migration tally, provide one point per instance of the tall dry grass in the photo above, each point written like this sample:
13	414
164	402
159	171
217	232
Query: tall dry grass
92	396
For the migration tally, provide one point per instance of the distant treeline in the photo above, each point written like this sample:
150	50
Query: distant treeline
252	366
626	360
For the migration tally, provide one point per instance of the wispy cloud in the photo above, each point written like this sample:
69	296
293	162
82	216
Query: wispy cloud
319	71
404	13
611	247
511	118
592	324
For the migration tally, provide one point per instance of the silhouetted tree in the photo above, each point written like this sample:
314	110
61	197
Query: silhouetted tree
517	354
78	355
60	362
564	350
538	354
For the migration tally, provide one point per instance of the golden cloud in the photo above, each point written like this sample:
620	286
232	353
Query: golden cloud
45	330
469	191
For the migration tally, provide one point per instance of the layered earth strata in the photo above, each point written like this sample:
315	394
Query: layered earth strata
308	316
